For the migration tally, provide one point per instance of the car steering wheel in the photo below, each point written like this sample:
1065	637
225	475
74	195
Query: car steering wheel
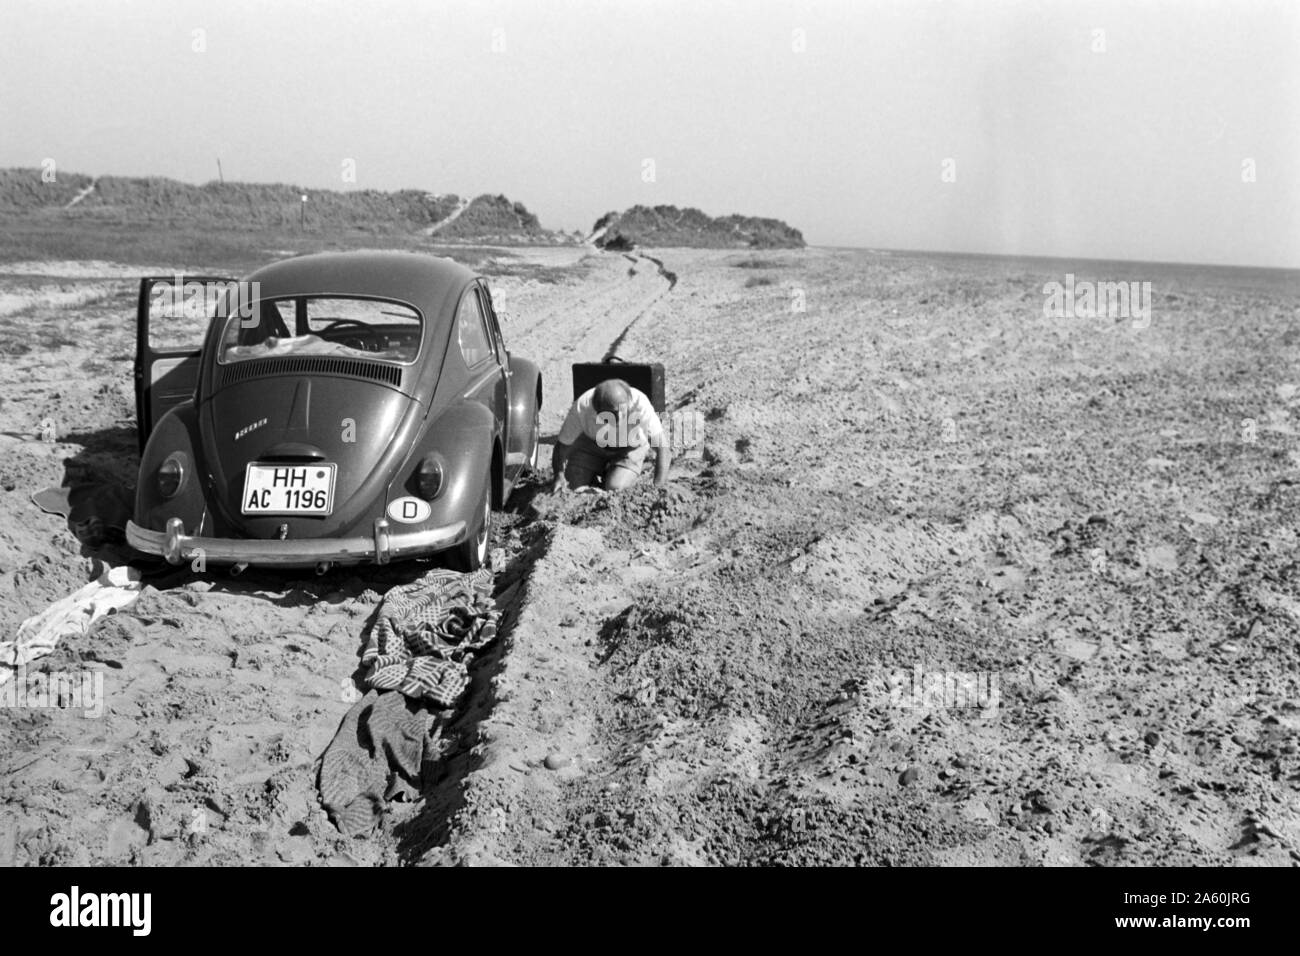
338	322
358	344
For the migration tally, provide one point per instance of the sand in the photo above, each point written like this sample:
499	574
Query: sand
945	582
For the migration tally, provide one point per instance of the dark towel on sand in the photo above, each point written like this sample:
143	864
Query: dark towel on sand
380	748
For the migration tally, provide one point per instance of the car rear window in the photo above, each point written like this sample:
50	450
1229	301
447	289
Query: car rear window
323	325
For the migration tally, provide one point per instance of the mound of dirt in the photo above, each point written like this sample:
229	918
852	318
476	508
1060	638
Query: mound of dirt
268	206
668	226
25	191
640	512
496	219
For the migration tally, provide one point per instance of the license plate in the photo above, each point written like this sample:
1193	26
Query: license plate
289	489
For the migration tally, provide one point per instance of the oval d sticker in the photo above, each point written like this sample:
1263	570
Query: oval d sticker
409	510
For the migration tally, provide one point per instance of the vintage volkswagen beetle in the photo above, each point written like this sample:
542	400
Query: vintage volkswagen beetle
344	408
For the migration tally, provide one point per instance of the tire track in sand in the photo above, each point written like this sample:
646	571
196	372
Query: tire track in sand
539	730
583	324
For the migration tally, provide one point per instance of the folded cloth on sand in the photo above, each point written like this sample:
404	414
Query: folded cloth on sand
380	748
69	617
426	634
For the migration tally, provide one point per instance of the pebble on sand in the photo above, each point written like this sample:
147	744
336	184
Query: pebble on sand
556	761
908	776
1046	803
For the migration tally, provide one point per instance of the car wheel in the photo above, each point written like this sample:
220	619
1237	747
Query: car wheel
472	553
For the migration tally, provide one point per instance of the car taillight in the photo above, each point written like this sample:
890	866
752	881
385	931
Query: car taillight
171	475
428	477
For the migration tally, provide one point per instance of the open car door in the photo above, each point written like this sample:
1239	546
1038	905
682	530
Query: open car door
171	318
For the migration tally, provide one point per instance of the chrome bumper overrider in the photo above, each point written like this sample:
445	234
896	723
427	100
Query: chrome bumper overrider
177	547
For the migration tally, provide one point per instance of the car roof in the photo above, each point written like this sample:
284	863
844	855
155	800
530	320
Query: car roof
430	283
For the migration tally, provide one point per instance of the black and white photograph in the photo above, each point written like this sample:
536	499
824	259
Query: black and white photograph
584	434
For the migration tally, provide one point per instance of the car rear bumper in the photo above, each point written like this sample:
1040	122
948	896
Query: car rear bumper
383	546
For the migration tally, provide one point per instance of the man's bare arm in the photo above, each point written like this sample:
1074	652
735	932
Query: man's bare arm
558	457
663	461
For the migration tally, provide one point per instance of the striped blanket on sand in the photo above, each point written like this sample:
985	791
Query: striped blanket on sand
428	632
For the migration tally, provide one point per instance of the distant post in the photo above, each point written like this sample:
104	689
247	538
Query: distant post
302	219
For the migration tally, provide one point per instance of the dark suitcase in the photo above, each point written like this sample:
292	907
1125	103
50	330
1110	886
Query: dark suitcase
647	377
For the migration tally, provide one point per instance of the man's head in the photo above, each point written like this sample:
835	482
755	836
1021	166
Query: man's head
611	395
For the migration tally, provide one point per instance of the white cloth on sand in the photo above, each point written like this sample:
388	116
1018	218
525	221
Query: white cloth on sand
69	617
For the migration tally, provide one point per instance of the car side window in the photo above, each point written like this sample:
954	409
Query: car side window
471	331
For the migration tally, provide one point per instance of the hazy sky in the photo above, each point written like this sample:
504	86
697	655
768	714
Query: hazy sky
835	116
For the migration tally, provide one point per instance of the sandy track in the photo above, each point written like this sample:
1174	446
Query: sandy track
578	320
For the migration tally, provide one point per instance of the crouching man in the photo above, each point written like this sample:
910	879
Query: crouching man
606	437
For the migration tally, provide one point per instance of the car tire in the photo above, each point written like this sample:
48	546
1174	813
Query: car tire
472	553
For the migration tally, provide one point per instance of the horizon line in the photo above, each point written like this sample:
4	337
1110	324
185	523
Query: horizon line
1051	257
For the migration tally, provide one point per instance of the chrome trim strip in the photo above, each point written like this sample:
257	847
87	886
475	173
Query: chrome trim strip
483	378
176	546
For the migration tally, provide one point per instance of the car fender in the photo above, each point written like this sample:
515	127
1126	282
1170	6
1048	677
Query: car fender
176	431
525	400
464	435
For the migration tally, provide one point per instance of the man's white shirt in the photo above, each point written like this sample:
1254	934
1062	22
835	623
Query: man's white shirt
611	430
